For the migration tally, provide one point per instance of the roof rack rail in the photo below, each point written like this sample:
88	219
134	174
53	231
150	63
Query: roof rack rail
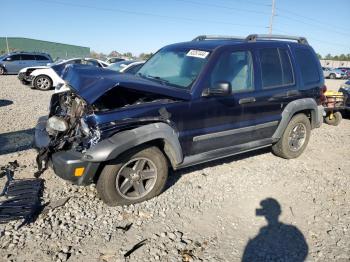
254	37
217	37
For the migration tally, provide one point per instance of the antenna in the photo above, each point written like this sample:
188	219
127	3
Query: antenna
272	16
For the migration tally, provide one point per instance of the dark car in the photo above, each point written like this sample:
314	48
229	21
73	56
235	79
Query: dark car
345	89
190	103
12	63
346	70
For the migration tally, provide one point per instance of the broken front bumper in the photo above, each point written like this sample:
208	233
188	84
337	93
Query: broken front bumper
68	165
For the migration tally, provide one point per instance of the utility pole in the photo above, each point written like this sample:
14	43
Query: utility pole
7	45
272	16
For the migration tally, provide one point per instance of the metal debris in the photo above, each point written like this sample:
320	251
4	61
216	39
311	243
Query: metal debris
124	228
134	248
22	200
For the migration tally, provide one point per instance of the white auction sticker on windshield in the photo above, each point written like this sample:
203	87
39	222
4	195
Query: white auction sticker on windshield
197	53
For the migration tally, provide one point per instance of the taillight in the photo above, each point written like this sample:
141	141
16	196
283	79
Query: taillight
322	96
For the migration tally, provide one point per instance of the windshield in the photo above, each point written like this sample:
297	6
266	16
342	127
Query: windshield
178	68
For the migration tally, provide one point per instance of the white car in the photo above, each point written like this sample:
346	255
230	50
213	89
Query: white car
45	78
130	67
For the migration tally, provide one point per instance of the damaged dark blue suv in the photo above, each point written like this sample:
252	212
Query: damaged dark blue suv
190	103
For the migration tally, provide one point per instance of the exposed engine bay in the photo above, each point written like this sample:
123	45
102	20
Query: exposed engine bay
67	127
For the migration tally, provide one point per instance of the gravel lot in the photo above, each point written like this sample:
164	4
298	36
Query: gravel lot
207	213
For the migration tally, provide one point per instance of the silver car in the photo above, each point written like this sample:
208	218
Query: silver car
333	73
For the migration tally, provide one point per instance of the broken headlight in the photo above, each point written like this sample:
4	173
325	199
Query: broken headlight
57	124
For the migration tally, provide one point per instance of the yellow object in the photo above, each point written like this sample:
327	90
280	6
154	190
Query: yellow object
79	171
333	93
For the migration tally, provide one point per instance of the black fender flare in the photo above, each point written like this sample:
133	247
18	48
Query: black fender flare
298	106
119	143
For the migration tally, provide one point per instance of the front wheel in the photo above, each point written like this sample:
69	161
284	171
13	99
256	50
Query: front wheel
294	139
2	70
332	76
42	82
134	177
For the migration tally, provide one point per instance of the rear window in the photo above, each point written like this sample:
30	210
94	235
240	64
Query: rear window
41	57
308	66
276	68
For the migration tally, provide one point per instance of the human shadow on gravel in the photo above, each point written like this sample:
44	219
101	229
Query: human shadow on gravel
5	102
176	175
276	241
16	141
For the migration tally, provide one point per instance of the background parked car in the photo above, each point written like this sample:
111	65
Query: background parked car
45	78
12	63
333	73
112	60
130	67
346	70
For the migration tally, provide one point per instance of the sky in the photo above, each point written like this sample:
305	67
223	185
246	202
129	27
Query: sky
145	26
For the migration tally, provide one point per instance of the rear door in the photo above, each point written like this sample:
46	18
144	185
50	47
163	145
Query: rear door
27	60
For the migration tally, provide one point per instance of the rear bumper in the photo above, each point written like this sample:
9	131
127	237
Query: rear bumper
65	163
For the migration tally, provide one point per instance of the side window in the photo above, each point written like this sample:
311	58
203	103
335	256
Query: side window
235	68
276	68
28	57
14	58
308	66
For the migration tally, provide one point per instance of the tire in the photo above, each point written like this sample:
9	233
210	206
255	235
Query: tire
336	119
42	82
120	182
2	71
332	76
289	146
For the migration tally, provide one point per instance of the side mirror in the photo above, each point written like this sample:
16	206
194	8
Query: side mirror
219	89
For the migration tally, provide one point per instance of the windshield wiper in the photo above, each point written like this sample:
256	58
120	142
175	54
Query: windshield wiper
157	78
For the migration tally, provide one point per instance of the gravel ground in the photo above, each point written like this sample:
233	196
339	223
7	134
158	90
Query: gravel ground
208	212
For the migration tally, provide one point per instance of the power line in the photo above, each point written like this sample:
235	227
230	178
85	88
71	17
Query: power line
312	19
222	6
145	13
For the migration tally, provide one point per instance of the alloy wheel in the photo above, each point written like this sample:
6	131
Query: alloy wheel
136	178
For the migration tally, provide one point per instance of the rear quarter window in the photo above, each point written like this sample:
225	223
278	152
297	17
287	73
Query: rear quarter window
308	65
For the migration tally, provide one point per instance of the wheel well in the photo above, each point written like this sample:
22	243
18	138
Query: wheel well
159	143
308	113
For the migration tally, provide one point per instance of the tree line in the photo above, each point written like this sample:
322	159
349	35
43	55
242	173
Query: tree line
102	56
341	57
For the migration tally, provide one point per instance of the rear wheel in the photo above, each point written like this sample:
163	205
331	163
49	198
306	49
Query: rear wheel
134	177
332	76
42	82
2	70
333	119
294	139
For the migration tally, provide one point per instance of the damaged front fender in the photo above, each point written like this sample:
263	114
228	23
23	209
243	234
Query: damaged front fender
111	148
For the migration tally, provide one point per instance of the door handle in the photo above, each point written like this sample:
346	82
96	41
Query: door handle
246	100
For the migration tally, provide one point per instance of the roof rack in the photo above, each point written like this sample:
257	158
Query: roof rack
254	37
217	37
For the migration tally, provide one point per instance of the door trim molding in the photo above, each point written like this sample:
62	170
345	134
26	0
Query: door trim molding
234	131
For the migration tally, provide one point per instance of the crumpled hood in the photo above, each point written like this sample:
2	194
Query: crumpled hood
90	82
